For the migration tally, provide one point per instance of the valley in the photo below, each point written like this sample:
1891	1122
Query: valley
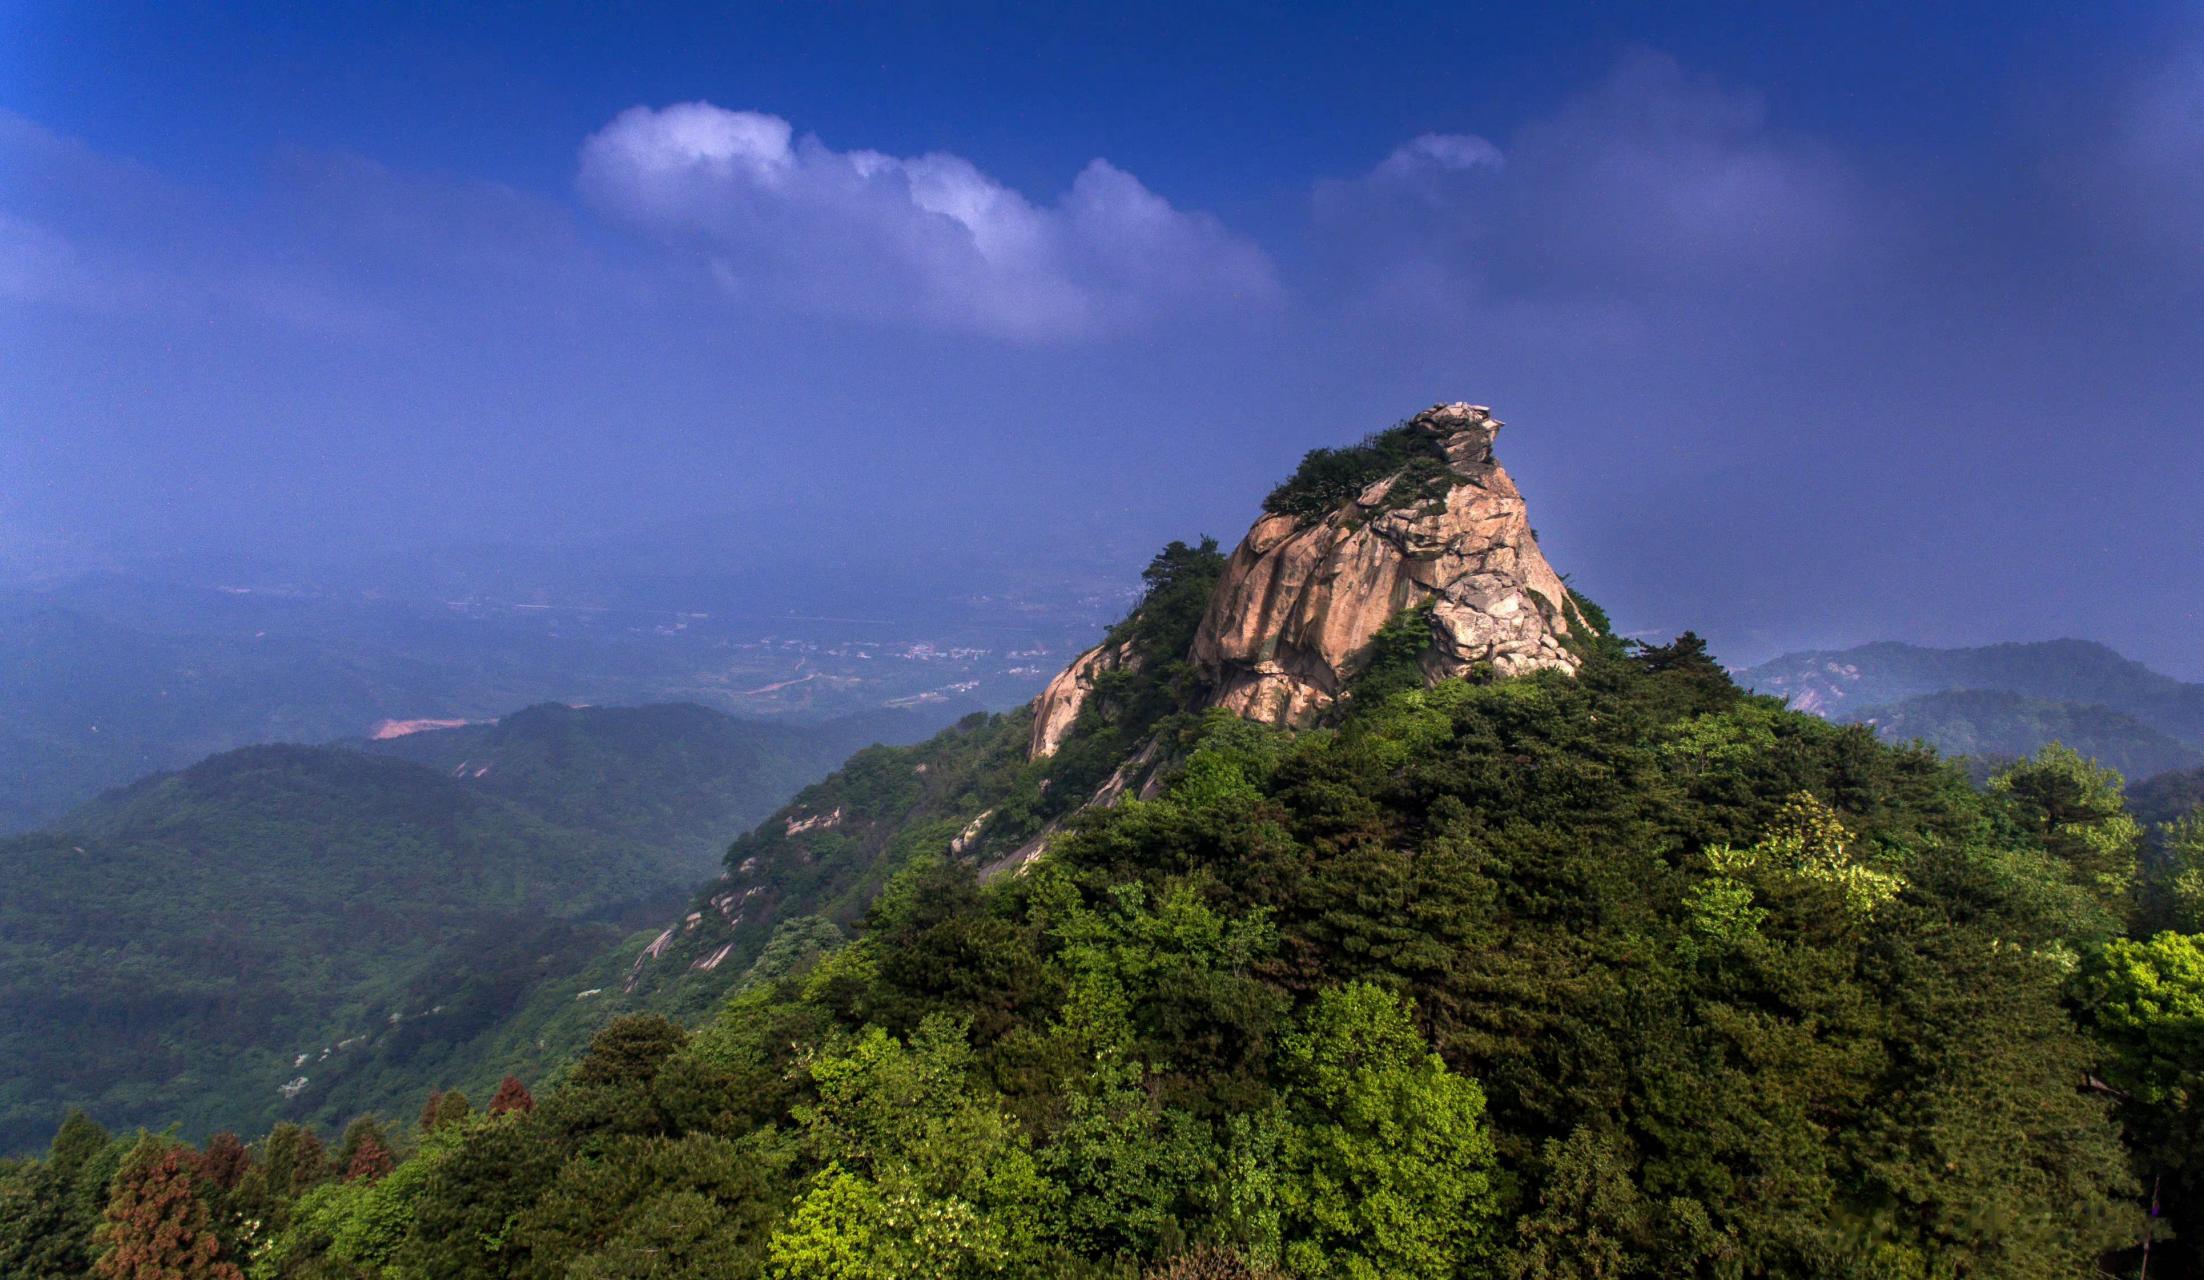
310	932
113	678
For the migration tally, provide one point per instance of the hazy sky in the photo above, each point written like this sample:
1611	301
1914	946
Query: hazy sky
1843	323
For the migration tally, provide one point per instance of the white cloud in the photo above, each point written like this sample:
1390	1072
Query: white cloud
1439	153
928	239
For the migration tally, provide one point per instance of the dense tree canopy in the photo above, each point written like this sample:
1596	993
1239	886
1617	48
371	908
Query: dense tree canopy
1625	974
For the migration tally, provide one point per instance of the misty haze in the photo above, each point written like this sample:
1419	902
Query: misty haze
1129	642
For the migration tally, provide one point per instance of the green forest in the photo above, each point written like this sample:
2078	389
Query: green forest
306	932
1992	728
1630	973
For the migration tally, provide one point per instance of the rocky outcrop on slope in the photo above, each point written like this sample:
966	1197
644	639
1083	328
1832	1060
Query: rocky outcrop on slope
1057	709
1302	597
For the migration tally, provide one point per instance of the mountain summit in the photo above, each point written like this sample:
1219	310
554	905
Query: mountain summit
1404	560
1420	520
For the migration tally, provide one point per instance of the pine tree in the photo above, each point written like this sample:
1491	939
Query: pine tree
630	1049
452	1108
2078	808
293	1160
78	1140
443	1107
157	1227
51	1209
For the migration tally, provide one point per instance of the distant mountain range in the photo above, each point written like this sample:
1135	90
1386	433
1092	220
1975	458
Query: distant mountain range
108	678
2001	700
311	931
676	779
1993	724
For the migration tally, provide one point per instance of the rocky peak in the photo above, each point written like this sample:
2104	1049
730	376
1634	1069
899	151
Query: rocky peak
1057	709
1464	431
1419	517
1304	595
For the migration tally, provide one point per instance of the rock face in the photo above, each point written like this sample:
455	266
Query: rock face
1301	599
1057	709
1303	596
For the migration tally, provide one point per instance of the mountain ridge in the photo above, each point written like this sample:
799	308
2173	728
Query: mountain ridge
1993	727
1829	682
1411	552
283	898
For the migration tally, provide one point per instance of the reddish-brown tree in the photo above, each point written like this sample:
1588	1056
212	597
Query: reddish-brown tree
370	1161
157	1227
225	1162
511	1095
363	1153
432	1111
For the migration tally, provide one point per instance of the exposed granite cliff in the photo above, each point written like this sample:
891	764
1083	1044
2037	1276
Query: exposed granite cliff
1301	599
1439	527
1055	711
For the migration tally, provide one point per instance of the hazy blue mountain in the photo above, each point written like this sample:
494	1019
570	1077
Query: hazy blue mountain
91	702
1991	724
672	776
108	677
1848	684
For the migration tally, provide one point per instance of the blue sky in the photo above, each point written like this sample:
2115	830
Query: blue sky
1815	324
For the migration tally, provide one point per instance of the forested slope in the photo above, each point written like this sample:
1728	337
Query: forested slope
1607	970
307	932
1993	727
1481	979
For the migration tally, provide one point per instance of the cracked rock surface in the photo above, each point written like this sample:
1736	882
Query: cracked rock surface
1301	600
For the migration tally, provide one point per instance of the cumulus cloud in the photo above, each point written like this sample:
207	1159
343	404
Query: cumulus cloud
929	239
1654	181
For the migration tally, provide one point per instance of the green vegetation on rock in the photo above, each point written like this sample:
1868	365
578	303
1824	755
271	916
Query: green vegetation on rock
1327	478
